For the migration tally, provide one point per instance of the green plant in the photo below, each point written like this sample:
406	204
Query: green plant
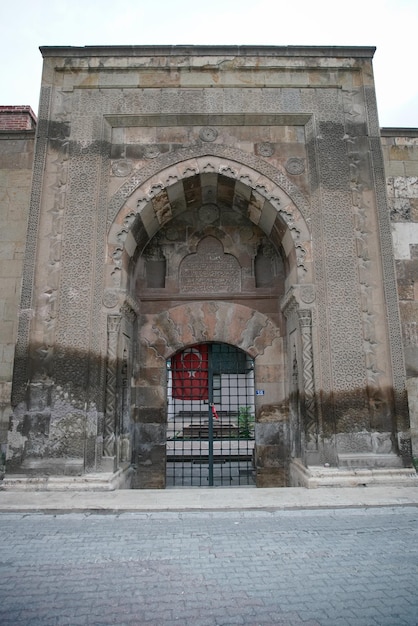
177	435
245	422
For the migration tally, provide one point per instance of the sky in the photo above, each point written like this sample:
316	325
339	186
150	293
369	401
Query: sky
390	25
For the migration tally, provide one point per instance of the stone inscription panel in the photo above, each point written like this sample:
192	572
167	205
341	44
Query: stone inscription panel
210	270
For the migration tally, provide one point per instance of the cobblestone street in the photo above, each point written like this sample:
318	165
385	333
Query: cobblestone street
346	567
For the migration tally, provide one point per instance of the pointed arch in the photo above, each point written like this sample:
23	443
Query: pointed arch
218	158
202	181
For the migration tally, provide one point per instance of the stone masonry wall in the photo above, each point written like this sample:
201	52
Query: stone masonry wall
90	137
90	97
17	137
400	149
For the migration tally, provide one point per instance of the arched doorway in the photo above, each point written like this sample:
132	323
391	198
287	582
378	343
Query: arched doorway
210	417
209	259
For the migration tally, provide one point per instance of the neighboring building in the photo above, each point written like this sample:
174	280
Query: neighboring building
400	154
17	138
209	292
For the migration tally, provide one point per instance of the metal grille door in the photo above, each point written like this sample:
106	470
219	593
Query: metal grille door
210	429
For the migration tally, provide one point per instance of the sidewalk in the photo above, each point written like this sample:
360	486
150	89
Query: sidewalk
206	499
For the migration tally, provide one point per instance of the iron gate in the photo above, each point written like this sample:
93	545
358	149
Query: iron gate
210	427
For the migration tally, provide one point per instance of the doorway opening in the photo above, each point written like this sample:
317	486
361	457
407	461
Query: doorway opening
211	417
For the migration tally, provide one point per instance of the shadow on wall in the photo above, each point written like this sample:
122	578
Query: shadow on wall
76	407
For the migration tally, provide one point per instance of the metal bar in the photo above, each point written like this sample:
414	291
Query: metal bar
205	451
210	414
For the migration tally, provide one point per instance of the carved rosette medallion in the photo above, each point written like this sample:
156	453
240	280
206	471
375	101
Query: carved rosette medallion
307	294
265	149
295	166
208	213
172	234
208	133
151	152
246	233
122	168
110	299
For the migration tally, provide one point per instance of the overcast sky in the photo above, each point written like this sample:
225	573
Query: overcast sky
390	25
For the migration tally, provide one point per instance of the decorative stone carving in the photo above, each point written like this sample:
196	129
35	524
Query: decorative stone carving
311	427
155	167
262	194
265	149
336	272
307	294
210	270
346	304
208	168
122	168
389	277
130	309
110	299
227	170
74	326
361	233
190	171
172	234
289	304
209	321
151	152
209	213
295	166
171	180
246	233
208	134
113	325
155	190
300	256
410	334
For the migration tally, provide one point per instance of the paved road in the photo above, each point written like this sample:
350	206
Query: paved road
345	567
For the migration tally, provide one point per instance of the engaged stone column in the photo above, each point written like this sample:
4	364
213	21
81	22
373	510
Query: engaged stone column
109	435
310	417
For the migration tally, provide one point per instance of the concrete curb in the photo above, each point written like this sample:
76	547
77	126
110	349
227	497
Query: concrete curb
204	499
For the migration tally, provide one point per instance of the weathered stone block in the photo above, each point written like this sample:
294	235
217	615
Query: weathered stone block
271	433
148	478
36	424
149	463
271	456
400	209
271	478
272	413
150	396
39	396
149	415
150	436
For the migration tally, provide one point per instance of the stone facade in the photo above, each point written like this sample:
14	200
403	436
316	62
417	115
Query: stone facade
17	138
400	150
184	195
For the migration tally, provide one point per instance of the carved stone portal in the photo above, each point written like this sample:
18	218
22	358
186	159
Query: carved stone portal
179	213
